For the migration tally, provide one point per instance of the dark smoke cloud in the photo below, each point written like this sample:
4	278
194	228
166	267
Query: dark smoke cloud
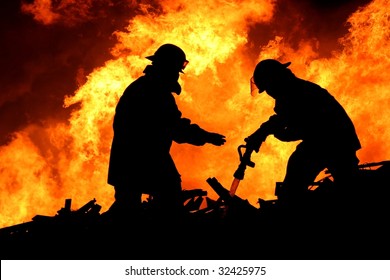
323	21
41	62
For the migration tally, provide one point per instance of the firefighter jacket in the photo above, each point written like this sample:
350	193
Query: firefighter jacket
310	113
146	122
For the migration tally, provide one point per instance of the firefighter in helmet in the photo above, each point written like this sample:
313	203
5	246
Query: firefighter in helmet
308	113
146	122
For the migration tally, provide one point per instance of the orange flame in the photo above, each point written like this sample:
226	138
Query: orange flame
44	165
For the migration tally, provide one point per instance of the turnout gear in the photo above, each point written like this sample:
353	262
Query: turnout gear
305	112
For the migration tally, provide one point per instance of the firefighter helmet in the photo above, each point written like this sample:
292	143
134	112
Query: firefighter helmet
263	71
169	56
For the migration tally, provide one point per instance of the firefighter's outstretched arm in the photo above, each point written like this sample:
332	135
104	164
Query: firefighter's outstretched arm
215	138
188	132
253	141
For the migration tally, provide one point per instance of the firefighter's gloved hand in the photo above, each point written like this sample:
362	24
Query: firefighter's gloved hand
253	142
215	139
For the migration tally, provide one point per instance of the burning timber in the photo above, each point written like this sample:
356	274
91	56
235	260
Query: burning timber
335	222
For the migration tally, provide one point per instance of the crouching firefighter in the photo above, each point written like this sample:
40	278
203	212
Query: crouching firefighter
308	113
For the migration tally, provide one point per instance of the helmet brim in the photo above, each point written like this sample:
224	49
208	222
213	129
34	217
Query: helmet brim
152	58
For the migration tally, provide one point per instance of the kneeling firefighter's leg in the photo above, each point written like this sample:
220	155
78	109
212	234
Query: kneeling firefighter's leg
302	169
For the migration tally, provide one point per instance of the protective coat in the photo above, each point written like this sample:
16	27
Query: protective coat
146	122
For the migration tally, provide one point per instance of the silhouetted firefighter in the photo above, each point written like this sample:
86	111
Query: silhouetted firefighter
146	122
307	112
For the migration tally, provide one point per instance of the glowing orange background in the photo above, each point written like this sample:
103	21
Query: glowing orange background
44	163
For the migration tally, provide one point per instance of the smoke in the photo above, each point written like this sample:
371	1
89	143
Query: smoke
321	22
47	51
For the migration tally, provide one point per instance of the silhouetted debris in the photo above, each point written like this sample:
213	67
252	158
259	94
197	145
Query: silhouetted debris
236	208
337	222
193	199
66	223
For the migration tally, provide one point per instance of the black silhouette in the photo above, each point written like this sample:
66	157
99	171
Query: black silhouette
147	121
345	215
307	112
357	231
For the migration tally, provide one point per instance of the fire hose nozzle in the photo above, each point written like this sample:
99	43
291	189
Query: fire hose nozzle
245	158
244	162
